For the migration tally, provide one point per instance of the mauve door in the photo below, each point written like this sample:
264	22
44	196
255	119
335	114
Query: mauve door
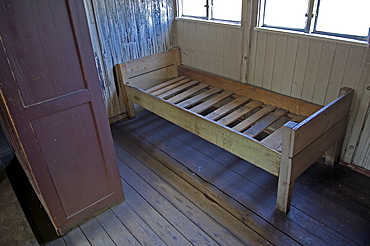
53	109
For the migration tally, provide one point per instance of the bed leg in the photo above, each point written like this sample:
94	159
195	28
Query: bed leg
332	155
130	109
122	78
286	183
284	195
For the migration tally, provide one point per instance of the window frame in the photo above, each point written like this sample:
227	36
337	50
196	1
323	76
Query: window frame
209	13
312	15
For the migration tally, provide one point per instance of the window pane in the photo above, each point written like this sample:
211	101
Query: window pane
227	10
286	13
344	17
194	8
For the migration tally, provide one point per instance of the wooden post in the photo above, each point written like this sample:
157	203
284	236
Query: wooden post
332	155
285	183
122	77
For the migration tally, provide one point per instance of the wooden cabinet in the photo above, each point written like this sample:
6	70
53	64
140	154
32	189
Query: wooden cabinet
53	111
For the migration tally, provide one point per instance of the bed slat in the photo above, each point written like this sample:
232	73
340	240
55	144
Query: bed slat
170	87
210	102
187	93
253	118
265	122
164	84
275	139
195	99
177	89
239	112
227	108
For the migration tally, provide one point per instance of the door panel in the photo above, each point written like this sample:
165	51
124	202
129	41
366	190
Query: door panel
60	135
53	108
46	40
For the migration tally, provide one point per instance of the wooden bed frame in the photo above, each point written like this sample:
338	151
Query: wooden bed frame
277	133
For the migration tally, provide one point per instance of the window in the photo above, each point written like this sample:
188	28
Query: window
341	18
229	10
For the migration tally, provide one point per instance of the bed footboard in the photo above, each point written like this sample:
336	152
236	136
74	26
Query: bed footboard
306	142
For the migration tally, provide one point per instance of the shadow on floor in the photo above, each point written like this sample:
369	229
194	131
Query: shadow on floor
32	208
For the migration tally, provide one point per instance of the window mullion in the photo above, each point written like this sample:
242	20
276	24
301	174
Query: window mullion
310	16
207	6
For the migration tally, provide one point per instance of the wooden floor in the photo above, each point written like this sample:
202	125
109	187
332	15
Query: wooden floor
182	190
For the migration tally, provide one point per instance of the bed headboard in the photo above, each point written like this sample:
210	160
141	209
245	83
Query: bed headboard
150	70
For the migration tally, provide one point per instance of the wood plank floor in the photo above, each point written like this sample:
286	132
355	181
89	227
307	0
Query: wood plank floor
182	190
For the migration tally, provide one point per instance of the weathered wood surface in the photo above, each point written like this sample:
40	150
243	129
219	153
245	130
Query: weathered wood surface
211	102
125	30
321	68
165	84
295	106
225	109
240	112
265	122
303	135
244	124
154	160
216	133
195	99
313	218
314	126
302	66
275	139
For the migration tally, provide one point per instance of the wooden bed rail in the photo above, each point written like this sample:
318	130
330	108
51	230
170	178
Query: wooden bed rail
305	142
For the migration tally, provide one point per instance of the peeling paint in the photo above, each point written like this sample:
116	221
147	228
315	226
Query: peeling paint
126	30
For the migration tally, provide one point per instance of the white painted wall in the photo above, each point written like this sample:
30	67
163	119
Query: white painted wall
310	68
215	48
314	69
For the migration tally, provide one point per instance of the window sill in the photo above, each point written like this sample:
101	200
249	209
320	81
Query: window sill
211	22
312	36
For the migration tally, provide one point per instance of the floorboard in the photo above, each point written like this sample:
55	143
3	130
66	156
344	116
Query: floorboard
182	190
228	182
116	230
218	228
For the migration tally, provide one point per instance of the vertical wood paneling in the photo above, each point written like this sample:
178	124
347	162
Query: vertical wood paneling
314	70
308	68
289	65
281	46
252	60
205	54
300	67
216	49
125	30
260	59
357	131
211	47
269	60
312	67
336	76
236	53
323	73
227	56
353	67
362	156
